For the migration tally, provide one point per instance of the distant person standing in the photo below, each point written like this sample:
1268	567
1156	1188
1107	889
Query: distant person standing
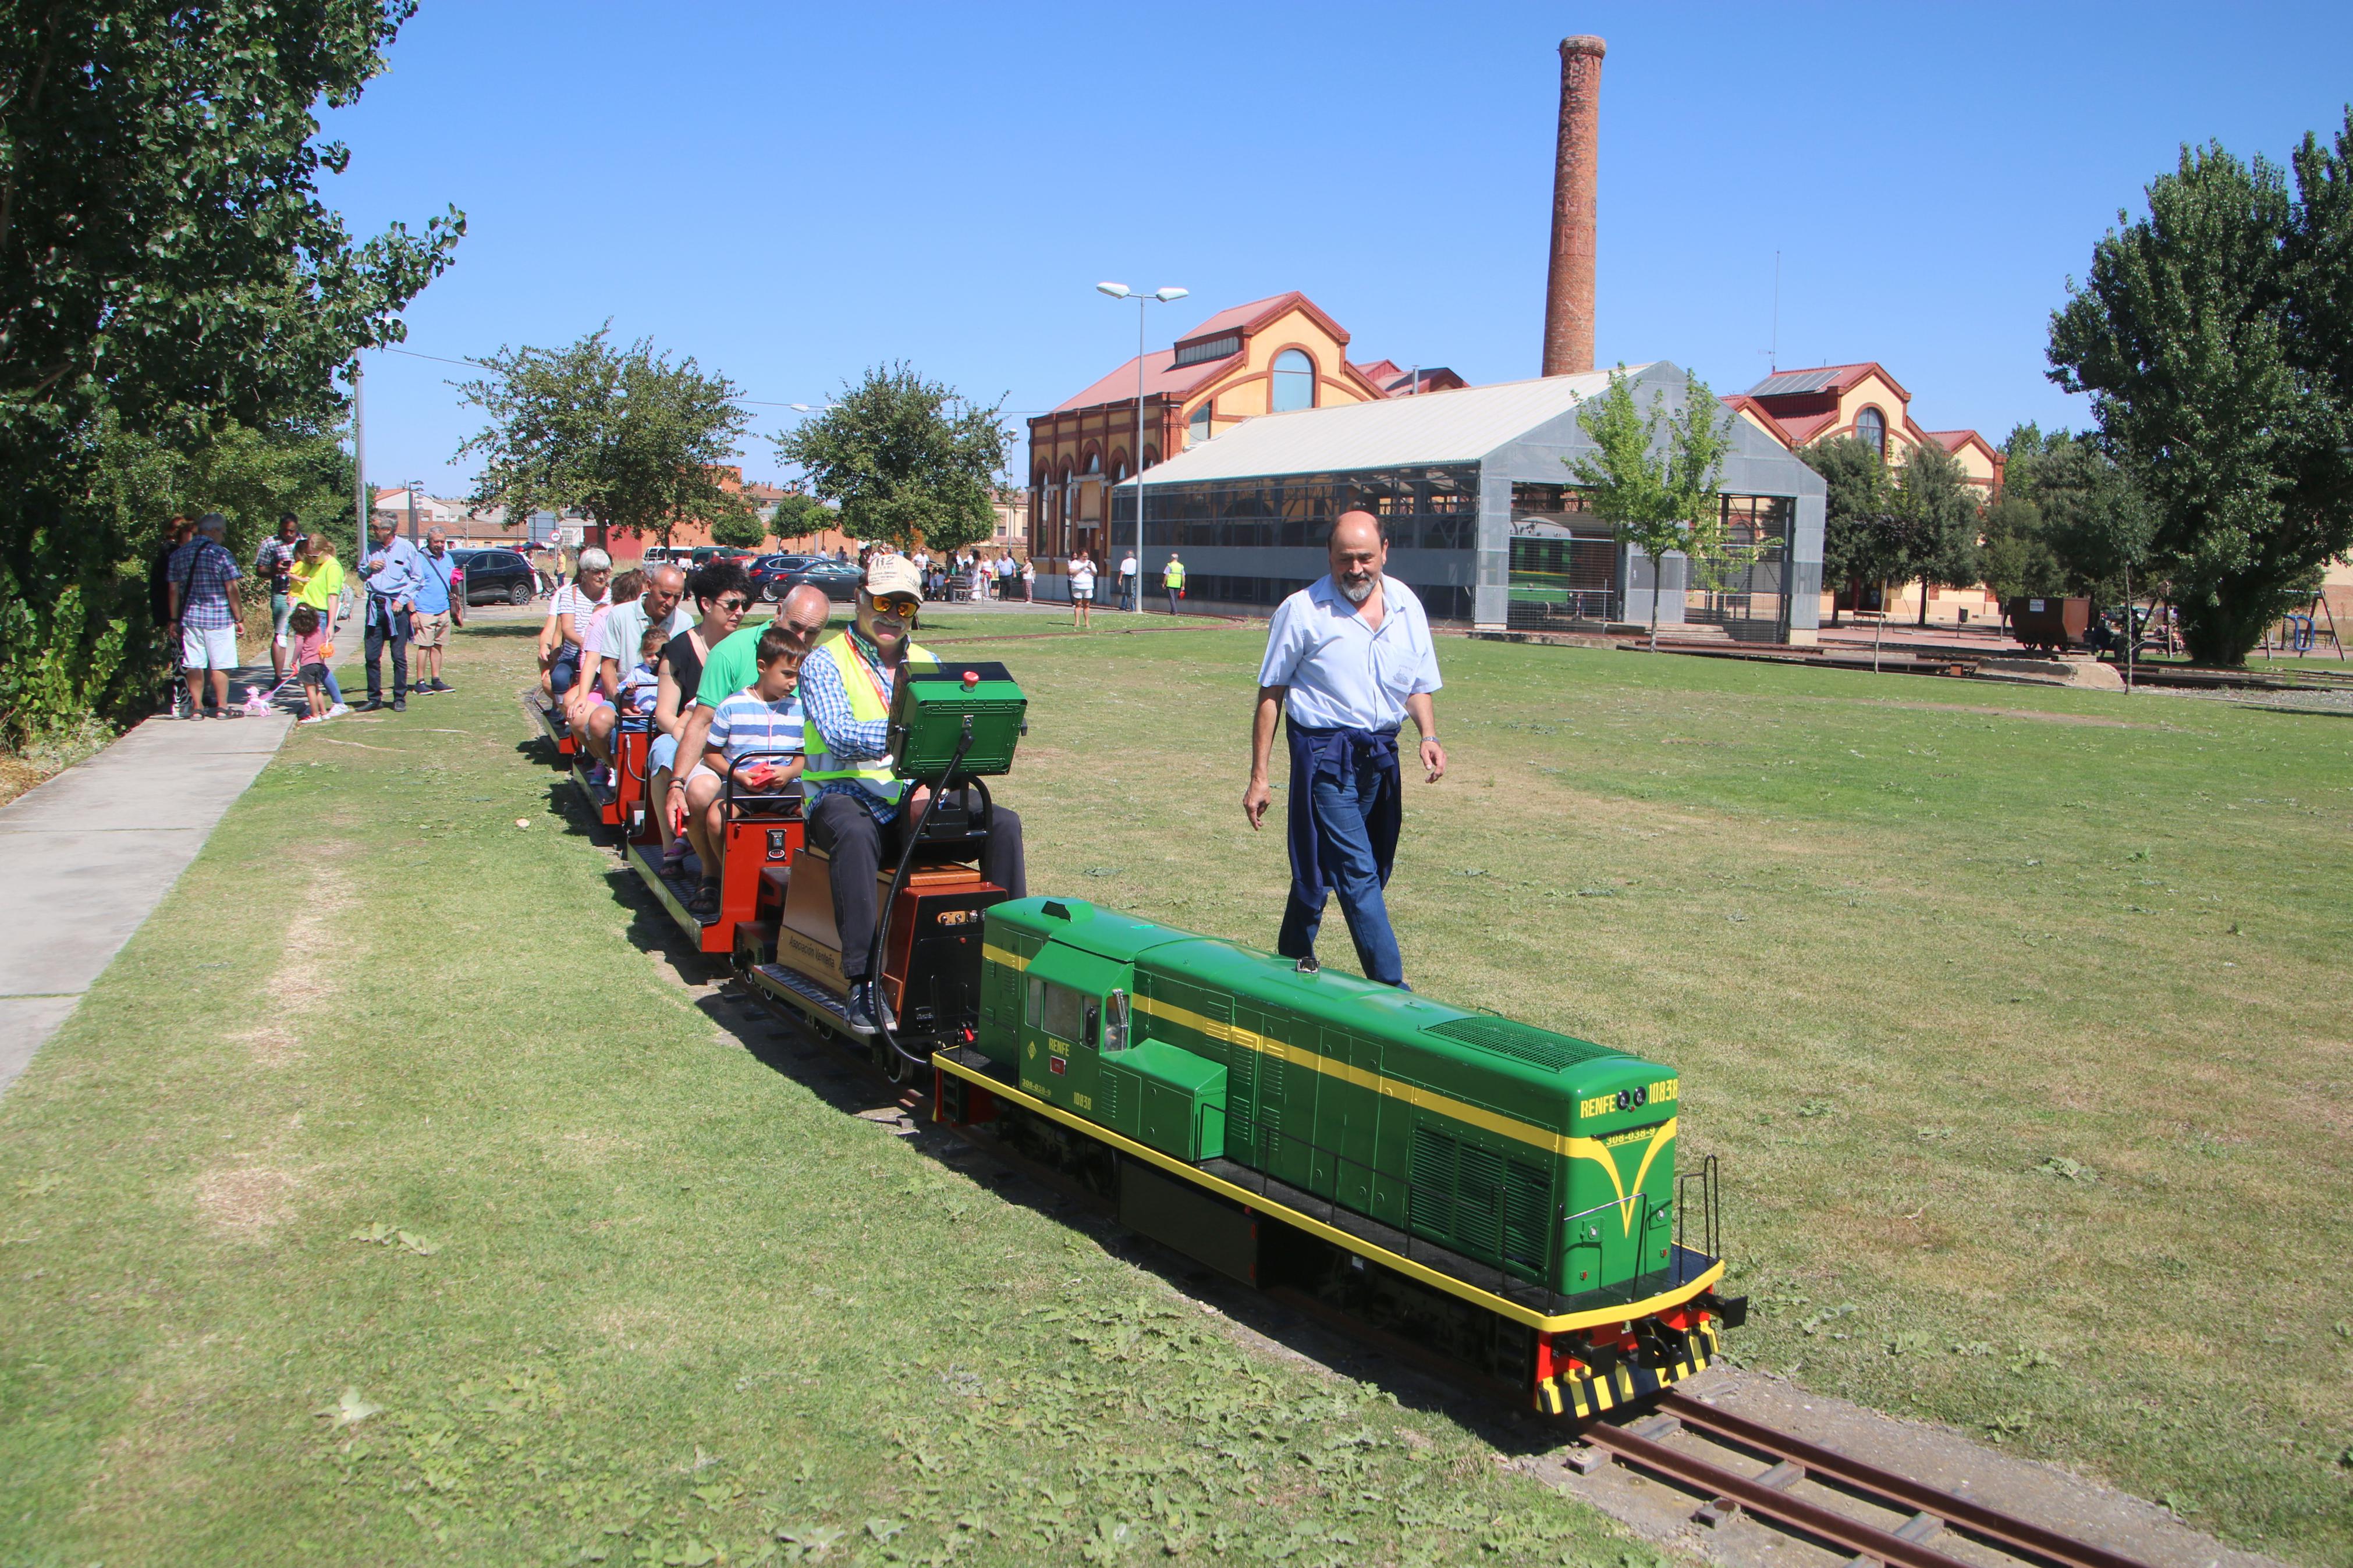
440	605
1127	581
274	563
1172	578
394	574
1082	591
203	573
1029	582
1348	658
318	584
159	609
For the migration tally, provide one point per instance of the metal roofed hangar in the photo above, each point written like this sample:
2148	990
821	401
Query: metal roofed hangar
1482	511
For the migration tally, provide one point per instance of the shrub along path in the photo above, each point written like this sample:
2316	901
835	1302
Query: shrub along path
387	1192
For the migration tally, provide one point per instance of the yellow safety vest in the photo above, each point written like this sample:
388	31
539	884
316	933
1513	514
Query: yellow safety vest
868	704
1173	575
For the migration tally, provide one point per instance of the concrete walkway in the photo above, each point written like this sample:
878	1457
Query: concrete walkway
90	853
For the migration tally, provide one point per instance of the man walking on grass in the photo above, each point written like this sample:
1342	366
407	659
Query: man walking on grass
440	605
1347	659
202	572
395	573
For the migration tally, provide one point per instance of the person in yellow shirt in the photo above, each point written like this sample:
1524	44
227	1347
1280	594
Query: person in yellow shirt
317	580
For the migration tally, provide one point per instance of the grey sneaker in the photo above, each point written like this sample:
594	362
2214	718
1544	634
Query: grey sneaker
862	1010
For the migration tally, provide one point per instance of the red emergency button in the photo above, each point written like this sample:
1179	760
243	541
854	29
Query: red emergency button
971	678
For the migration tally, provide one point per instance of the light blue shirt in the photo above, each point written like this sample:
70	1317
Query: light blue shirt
1342	674
402	573
435	579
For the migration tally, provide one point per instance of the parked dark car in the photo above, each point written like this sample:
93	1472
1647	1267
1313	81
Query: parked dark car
771	575
838	579
497	577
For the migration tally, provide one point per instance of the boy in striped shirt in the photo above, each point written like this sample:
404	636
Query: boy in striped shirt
748	733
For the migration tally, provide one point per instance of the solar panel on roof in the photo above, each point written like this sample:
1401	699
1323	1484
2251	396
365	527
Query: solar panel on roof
1790	381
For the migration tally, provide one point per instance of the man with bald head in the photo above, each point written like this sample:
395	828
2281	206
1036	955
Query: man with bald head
1348	658
734	665
625	630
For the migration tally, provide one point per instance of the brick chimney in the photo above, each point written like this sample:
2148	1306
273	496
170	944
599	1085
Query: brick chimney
1569	292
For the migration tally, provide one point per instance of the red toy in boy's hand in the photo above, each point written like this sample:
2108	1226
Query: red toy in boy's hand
759	775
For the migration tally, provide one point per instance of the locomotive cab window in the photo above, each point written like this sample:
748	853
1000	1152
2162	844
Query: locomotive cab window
1067	1015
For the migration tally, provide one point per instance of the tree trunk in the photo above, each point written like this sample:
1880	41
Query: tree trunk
1924	604
2132	629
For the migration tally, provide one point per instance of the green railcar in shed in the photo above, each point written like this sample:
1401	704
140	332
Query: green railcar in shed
1500	1195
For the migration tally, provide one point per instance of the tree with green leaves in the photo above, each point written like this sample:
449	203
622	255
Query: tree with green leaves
1858	515
739	528
631	437
166	267
1934	538
2215	337
2016	559
800	516
906	459
1653	475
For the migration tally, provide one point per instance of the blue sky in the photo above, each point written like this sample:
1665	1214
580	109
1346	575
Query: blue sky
793	192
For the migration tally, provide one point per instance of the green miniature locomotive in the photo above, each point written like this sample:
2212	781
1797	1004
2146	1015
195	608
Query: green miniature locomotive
1504	1164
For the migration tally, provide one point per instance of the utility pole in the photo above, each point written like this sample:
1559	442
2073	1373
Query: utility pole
359	463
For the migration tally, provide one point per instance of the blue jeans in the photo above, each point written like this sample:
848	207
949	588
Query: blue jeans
1351	796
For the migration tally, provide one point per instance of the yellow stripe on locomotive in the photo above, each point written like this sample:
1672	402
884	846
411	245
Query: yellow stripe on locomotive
1545	1157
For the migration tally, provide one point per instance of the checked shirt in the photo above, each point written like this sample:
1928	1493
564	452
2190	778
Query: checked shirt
203	570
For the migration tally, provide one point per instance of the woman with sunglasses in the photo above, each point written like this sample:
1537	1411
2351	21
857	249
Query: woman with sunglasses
721	591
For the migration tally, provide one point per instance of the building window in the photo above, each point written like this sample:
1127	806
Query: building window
1295	381
1870	429
1197	430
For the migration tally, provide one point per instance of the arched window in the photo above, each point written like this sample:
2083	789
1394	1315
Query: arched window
1295	381
1197	429
1870	429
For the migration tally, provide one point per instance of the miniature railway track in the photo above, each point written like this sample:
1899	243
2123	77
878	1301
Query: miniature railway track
1767	1495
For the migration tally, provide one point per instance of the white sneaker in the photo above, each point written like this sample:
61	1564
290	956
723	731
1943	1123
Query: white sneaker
311	719
339	709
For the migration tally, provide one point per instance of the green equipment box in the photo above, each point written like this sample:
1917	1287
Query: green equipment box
931	707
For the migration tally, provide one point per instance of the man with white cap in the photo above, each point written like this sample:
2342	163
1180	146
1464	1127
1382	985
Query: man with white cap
856	806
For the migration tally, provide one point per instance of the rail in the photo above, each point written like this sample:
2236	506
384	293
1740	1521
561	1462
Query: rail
1768	1495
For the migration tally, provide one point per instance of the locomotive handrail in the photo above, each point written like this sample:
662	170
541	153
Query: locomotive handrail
632	725
790	806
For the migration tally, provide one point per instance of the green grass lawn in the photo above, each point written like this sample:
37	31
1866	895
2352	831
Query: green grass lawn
2016	1016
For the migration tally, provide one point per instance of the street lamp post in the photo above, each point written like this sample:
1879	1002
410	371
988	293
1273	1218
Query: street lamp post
1159	296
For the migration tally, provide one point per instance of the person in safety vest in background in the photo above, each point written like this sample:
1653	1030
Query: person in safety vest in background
1172	577
857	809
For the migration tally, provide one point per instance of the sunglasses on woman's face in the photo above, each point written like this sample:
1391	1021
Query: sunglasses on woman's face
732	606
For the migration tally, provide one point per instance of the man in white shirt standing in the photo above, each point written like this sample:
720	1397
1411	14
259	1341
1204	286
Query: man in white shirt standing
1127	581
1348	658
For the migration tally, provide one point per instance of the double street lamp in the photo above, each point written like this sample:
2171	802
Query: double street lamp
1158	297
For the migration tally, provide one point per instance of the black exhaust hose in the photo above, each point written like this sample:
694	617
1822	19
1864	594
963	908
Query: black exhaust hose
898	882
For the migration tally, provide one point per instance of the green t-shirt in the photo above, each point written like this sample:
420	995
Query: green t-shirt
734	665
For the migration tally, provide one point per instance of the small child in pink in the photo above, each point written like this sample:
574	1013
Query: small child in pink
312	651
